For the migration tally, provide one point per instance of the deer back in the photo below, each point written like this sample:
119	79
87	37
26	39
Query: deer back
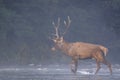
82	49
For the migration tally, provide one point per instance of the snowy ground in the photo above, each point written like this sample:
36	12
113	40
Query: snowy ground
58	72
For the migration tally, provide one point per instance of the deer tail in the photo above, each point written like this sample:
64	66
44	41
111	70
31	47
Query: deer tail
104	49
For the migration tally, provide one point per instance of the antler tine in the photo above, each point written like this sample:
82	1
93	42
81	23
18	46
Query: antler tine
67	24
56	26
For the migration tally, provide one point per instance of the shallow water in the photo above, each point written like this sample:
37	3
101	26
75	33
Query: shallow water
57	72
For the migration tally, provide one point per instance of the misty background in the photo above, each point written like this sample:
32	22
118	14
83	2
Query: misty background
26	25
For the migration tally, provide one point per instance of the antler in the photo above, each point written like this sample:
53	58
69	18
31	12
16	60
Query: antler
56	26
67	24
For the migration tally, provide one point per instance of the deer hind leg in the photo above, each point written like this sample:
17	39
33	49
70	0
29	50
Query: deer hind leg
98	67
109	65
74	65
103	60
96	57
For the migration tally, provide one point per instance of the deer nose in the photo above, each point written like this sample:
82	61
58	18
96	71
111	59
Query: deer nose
55	41
53	49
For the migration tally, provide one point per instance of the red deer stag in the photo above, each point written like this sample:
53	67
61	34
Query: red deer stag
79	50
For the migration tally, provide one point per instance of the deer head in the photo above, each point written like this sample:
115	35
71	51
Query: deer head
58	40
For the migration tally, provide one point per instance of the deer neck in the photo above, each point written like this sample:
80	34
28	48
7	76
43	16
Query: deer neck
64	46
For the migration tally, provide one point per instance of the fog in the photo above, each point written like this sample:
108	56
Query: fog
26	25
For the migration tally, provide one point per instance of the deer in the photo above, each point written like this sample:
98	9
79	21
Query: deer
79	50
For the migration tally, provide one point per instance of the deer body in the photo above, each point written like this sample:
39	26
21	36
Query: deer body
81	50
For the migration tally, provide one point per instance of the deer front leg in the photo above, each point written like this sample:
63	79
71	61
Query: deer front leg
74	65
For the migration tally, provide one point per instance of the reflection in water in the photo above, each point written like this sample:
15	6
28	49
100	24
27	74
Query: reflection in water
91	77
88	77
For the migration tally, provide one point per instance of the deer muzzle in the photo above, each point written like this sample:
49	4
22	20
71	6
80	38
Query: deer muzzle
53	49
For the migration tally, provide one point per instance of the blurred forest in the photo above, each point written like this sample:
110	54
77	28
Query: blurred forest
25	27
